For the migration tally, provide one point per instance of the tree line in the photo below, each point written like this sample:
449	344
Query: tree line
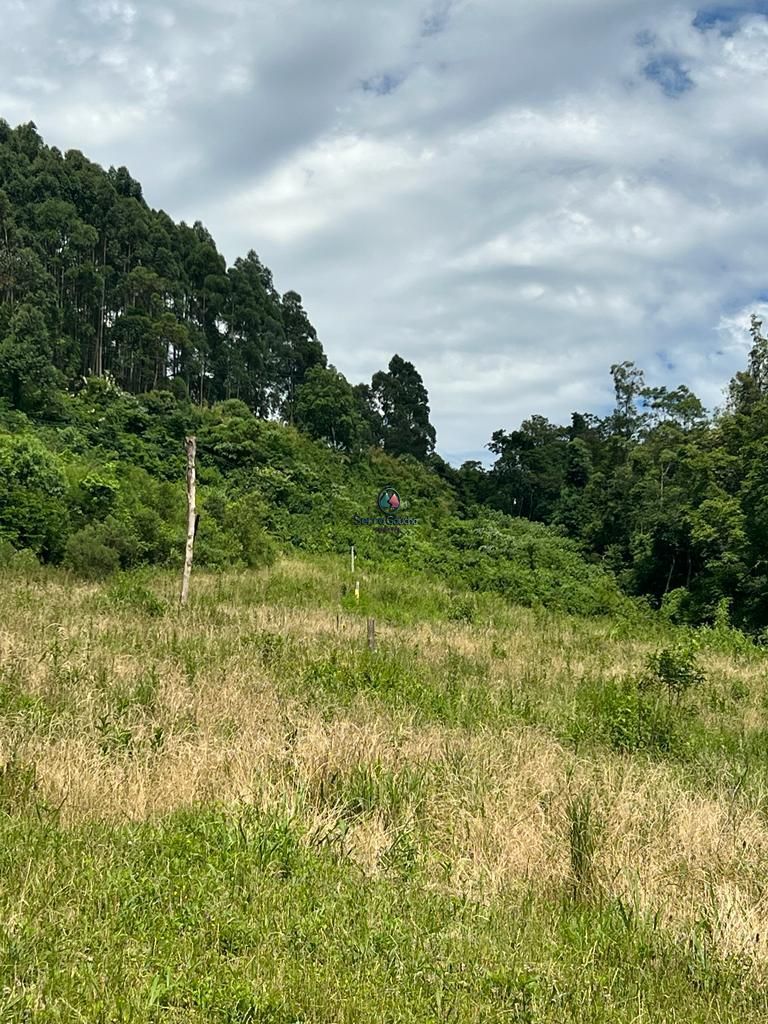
95	282
671	498
96	285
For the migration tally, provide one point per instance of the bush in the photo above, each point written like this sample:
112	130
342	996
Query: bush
32	486
676	669
675	605
129	592
88	555
630	718
259	550
24	562
230	533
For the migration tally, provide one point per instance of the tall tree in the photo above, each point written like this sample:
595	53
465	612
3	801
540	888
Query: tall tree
402	402
326	409
28	378
302	350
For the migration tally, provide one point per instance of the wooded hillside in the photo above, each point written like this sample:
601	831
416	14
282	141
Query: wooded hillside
121	330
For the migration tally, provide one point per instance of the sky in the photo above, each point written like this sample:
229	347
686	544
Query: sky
512	194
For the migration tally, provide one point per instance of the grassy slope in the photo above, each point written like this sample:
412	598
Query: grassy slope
239	814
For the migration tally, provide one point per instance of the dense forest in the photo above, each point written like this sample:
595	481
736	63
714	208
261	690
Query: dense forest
120	331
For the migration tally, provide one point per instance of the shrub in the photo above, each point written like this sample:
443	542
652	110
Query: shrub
230	533
462	609
582	842
676	668
88	555
21	561
32	485
129	592
675	605
630	717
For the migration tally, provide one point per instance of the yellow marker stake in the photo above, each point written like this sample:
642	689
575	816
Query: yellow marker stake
357	590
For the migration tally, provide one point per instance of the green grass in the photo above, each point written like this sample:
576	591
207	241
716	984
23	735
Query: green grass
233	917
239	813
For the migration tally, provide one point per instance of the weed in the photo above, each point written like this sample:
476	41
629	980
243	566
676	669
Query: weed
675	668
583	826
463	609
269	647
129	593
629	718
18	785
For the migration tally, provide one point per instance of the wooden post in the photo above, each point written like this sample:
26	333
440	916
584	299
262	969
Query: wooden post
352	553
191	445
371	634
357	590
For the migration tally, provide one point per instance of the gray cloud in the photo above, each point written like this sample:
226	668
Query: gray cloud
512	196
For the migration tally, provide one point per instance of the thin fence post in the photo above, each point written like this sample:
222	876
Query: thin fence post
191	446
352	556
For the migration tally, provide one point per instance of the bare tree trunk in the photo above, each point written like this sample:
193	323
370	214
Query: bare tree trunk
191	445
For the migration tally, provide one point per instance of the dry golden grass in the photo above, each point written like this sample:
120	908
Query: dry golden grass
487	806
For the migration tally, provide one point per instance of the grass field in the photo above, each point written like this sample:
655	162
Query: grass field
238	813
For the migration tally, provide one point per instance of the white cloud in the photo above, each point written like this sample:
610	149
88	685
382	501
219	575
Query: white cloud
512	196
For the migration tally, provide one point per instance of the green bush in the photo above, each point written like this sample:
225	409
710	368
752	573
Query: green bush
675	605
628	718
89	555
230	533
674	668
22	560
33	512
129	592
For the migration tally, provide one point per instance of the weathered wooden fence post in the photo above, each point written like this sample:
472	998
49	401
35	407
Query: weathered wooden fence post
191	446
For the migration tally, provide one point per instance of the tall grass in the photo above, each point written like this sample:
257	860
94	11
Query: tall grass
240	813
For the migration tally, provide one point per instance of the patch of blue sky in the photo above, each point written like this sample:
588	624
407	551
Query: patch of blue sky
670	74
436	21
726	17
665	360
645	38
383	84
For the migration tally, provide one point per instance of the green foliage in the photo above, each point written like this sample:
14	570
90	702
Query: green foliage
676	669
21	561
523	561
90	554
630	718
33	513
231	533
128	592
27	377
326	409
122	332
400	401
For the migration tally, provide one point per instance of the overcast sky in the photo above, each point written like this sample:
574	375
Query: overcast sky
513	194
